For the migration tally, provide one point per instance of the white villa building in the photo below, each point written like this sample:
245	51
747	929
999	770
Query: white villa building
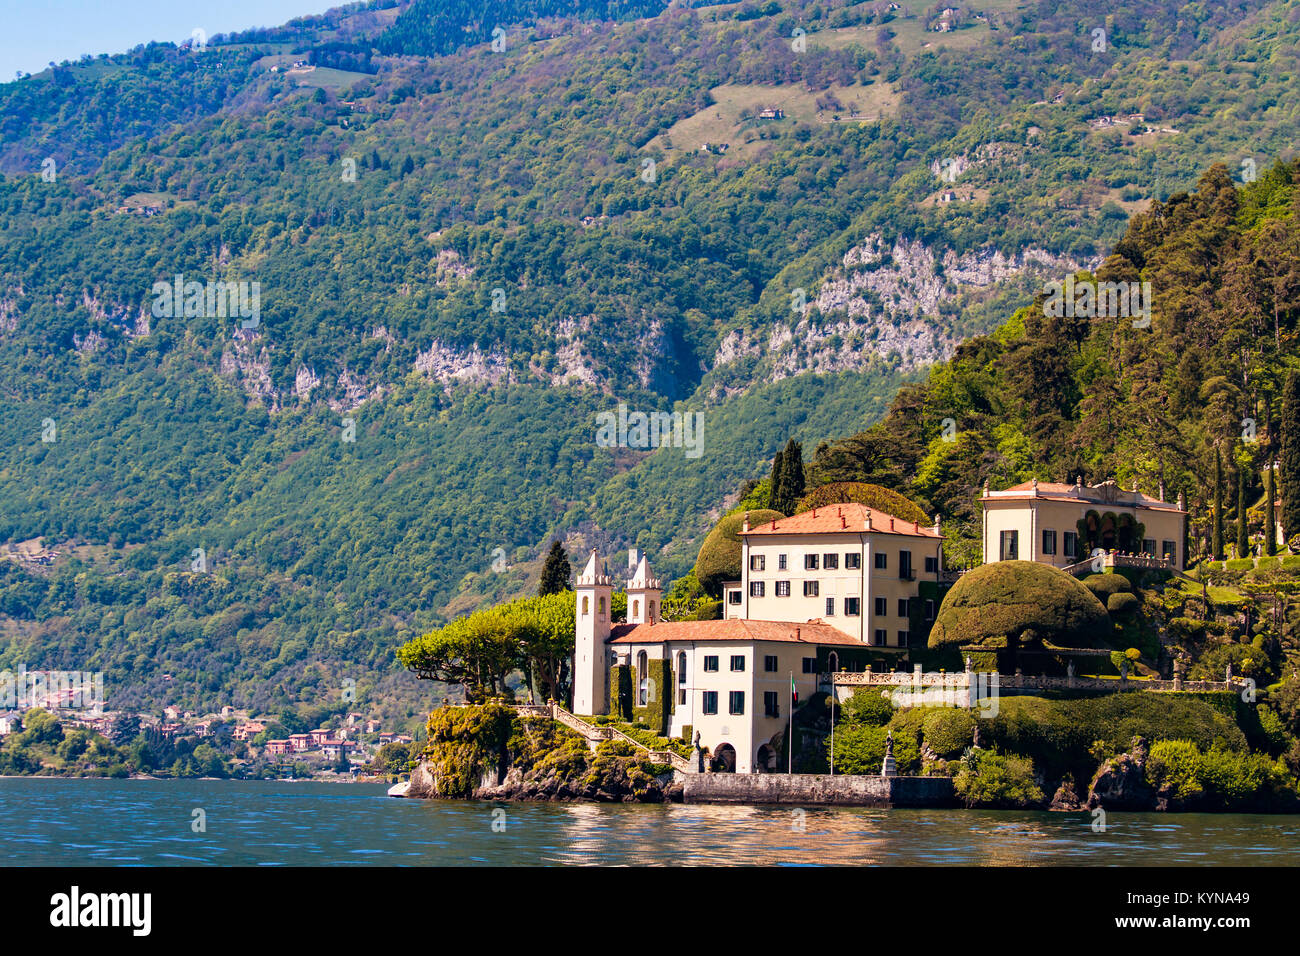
1041	521
818	590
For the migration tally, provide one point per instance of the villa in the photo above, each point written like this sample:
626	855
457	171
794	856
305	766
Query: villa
841	586
1061	524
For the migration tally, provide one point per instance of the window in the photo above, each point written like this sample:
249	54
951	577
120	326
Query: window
736	702
830	607
681	697
681	668
831	562
757	562
852	606
905	565
711	663
771	707
710	702
781	563
810	665
903	609
756	588
903	637
810	589
1009	548
642	679
737	662
810	562
1049	541
636	609
1168	549
882	607
882	637
782	588
586	606
882	561
852	562
1149	546
769	663
929	610
602	607
1069	542
931	565
733	596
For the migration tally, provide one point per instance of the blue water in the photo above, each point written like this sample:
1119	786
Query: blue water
65	822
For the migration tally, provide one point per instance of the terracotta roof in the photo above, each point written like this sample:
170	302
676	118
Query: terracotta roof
843	517
734	629
1085	494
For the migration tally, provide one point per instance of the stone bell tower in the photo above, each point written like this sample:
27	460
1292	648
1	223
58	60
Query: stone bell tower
591	660
643	593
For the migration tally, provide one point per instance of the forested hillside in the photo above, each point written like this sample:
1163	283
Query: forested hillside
464	254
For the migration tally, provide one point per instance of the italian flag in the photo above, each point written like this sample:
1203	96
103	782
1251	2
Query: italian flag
794	693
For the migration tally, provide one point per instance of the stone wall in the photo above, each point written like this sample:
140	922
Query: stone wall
817	789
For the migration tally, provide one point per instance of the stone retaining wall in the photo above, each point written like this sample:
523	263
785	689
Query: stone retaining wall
807	789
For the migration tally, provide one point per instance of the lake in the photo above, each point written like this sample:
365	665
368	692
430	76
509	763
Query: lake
66	822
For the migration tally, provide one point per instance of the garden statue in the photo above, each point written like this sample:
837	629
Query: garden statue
1228	677
968	663
975	742
1069	670
889	745
1123	669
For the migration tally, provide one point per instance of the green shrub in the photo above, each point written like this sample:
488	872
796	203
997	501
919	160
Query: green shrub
989	779
708	611
1291	562
867	706
1001	602
860	749
1175	766
948	730
873	496
1268	564
1247	660
719	557
1241	564
1104	585
1122	603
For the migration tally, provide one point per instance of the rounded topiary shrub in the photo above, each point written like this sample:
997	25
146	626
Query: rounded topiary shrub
867	706
1019	602
1122	603
719	557
864	493
1104	585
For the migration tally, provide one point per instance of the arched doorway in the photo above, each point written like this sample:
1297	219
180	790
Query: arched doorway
833	662
724	759
766	762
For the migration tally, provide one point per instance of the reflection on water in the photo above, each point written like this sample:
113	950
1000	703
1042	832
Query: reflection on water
263	823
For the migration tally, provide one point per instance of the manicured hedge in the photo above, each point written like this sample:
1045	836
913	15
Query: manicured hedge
620	691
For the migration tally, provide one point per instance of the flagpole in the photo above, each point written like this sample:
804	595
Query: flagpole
790	747
832	700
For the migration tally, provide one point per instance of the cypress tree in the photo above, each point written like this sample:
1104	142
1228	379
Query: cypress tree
1270	512
775	499
555	572
1289	461
793	475
1243	539
1216	540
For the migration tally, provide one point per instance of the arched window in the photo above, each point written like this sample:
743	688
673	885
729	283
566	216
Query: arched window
602	607
651	617
642	678
681	668
834	662
636	610
586	606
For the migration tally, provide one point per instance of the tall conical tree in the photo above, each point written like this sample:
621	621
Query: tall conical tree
1288	465
1243	539
774	497
1216	537
793	474
1270	511
555	572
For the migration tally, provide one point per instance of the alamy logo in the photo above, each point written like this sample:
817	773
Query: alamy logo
73	909
211	300
78	690
624	429
1093	300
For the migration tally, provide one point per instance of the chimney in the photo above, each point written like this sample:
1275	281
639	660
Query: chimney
746	521
891	522
814	511
936	524
843	523
916	527
1033	484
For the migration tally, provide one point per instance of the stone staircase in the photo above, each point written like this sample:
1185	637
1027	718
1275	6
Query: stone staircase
596	735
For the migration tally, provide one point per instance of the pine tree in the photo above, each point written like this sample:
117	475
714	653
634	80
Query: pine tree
1243	540
1216	541
555	572
1270	512
1289	461
408	166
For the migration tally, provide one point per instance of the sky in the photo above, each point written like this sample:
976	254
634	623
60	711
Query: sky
34	32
